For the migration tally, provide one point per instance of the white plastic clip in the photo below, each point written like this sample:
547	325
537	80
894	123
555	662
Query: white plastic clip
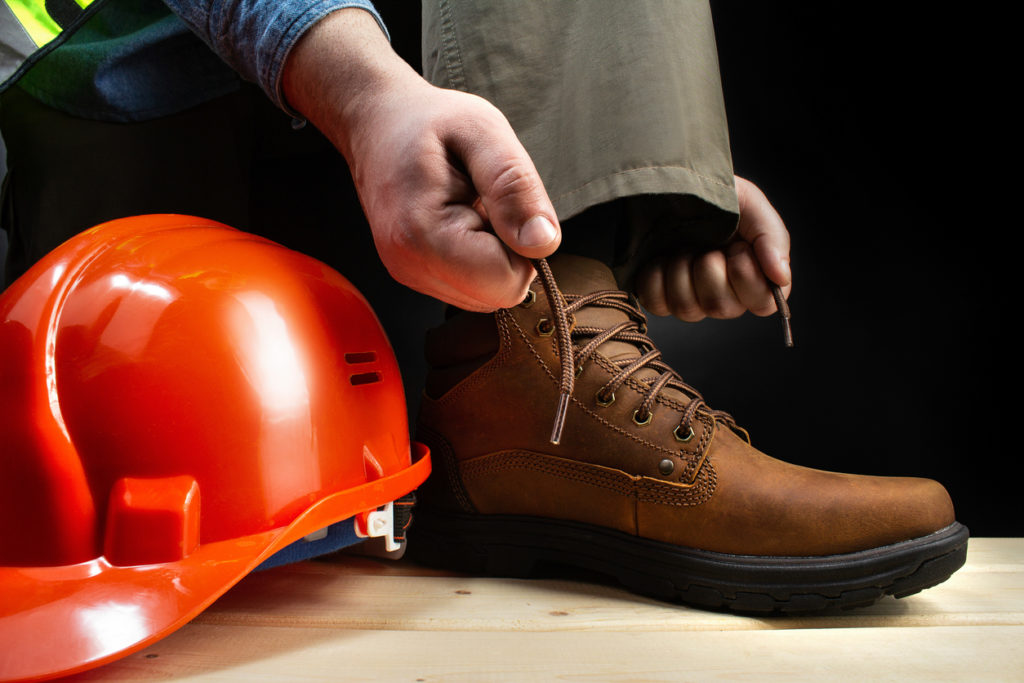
379	523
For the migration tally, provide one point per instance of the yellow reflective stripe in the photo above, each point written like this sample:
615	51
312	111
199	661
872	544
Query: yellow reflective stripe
83	3
34	19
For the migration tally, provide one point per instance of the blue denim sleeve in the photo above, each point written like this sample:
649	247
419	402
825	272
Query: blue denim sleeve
255	36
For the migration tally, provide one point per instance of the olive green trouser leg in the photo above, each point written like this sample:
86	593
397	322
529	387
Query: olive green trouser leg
613	100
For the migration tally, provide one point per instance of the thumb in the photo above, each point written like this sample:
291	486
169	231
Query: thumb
511	192
762	227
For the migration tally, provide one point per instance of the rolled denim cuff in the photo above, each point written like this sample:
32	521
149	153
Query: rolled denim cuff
255	36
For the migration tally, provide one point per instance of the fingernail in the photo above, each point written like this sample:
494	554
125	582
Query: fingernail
537	232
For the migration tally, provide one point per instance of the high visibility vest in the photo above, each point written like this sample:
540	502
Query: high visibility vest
31	28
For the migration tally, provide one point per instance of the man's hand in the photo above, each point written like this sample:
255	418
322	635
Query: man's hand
726	282
454	202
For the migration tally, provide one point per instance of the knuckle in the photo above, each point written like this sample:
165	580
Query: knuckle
512	180
655	306
404	238
689	311
741	267
721	307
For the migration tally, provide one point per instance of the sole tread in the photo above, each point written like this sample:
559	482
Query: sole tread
520	547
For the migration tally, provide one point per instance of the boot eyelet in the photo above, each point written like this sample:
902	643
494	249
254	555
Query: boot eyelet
579	371
531	299
641	423
601	401
675	433
666	467
545	328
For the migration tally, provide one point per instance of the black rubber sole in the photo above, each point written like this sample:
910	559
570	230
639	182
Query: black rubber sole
513	546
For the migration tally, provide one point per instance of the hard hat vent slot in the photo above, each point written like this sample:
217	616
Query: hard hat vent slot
360	357
364	378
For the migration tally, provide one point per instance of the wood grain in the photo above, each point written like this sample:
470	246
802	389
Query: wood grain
356	619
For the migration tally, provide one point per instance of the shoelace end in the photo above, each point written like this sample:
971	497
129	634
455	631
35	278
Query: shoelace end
783	306
563	408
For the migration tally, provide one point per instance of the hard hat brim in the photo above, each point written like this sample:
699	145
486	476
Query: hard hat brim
104	612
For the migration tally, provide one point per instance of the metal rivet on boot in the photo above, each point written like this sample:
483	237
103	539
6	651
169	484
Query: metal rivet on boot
666	466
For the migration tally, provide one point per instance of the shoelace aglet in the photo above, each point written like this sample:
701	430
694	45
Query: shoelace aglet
783	306
563	408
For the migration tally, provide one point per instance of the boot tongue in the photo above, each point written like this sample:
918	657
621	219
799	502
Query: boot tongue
580	275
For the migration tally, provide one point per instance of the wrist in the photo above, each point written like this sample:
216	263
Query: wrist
339	70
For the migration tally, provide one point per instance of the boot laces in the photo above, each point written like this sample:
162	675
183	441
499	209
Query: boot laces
632	331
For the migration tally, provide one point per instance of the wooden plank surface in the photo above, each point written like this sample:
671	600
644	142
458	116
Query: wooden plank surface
356	619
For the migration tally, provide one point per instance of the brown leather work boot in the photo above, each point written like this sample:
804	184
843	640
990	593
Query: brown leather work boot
648	484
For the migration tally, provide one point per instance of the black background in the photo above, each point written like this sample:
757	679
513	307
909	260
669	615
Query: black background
878	134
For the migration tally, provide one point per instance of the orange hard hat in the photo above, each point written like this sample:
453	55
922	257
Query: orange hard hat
179	401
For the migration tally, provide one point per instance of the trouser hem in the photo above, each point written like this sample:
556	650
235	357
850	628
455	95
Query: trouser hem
658	179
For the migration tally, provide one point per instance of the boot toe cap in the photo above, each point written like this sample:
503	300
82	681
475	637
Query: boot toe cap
917	507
